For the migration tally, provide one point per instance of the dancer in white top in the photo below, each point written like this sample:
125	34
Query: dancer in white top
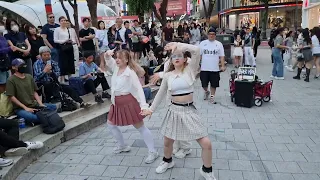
128	101
181	121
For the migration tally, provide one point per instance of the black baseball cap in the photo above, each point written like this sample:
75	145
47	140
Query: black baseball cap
212	30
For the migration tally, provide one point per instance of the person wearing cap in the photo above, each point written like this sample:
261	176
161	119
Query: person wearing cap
136	44
212	55
27	101
86	36
46	73
92	77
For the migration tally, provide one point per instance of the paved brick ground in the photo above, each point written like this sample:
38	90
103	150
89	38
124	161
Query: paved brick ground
278	141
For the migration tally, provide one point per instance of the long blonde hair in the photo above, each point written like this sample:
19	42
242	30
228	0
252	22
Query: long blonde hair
171	66
125	54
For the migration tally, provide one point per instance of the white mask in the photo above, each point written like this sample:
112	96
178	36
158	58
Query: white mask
15	28
2	29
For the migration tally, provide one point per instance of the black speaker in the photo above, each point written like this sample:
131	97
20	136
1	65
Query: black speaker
244	93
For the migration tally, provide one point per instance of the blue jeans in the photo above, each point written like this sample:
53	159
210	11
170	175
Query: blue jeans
147	93
55	55
277	70
32	117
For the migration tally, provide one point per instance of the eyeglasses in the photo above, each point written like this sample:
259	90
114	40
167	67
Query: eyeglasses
51	17
212	34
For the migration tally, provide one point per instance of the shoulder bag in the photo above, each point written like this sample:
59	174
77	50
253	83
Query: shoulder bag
67	46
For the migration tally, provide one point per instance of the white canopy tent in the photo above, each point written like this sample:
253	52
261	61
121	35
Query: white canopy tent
34	10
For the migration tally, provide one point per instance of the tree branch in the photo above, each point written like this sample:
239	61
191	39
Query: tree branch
65	11
205	8
71	4
156	13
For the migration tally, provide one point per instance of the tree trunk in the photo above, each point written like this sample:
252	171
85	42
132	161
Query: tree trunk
162	17
265	21
92	5
75	16
65	11
205	9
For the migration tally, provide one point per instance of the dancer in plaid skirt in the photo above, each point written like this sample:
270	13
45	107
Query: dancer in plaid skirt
181	121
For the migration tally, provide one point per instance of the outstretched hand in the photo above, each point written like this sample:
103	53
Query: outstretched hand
155	78
146	112
171	46
109	53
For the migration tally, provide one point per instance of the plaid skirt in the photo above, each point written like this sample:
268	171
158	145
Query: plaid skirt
182	123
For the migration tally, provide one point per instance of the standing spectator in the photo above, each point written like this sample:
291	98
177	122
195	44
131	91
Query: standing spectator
277	71
128	35
92	77
18	39
27	101
136	44
167	33
180	30
35	41
3	28
305	49
289	43
76	45
236	32
185	28
212	54
154	34
63	37
195	34
102	37
86	36
120	34
316	49
47	35
257	41
147	33
248	49
5	65
238	51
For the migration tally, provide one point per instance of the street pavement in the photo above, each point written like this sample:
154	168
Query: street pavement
278	141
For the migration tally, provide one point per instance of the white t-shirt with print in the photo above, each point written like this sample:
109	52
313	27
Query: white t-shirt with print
211	51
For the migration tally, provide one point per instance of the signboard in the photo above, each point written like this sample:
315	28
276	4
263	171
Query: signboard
188	7
247	73
177	7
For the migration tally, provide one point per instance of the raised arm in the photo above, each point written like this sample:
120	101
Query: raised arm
109	61
195	55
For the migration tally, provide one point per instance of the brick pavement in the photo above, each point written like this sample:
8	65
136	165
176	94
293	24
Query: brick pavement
278	141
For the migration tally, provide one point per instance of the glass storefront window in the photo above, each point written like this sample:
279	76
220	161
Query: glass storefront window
314	17
283	17
249	19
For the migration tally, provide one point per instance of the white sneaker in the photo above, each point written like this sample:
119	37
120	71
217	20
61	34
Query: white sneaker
34	145
290	69
151	157
164	166
206	95
20	151
272	77
279	78
182	153
175	151
5	162
207	176
119	149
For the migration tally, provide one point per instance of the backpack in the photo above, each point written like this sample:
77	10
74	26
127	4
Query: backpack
50	121
271	43
5	63
77	84
6	108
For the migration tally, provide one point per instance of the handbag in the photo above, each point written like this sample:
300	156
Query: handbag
67	46
5	63
21	44
6	108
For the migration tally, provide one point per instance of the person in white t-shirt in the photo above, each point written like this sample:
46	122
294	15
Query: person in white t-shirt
212	56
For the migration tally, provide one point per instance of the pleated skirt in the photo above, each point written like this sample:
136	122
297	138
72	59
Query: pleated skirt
125	111
183	123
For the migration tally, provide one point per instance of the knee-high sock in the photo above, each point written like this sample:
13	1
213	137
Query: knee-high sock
147	137
116	134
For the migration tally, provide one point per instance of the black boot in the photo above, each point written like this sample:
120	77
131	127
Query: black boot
298	74
308	74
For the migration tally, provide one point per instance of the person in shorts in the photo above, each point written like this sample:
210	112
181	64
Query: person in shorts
136	44
212	56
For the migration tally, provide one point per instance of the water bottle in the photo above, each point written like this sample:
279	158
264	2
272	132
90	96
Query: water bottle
22	123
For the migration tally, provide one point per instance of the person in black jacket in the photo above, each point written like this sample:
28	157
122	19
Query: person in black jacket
146	32
35	40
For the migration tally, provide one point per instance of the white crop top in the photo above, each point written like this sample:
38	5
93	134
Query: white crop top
180	86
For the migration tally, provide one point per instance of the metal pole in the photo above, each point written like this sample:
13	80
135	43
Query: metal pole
296	17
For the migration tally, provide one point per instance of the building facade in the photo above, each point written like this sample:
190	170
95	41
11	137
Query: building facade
240	13
310	13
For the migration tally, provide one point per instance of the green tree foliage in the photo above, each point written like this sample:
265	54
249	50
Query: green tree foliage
139	7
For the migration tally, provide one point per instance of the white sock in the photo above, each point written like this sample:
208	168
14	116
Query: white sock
116	134
147	137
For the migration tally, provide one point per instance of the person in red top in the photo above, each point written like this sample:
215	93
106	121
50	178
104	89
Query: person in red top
167	33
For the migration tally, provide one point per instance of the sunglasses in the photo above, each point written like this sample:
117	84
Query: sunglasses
51	17
176	57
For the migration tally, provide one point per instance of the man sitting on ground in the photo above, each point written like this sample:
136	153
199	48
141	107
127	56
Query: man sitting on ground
92	77
22	91
46	73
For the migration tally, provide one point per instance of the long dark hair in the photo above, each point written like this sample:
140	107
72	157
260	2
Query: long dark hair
306	36
316	31
8	24
98	27
26	30
289	34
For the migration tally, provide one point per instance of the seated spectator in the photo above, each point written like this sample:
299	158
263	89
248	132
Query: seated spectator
10	146
27	101
93	76
10	127
46	73
145	84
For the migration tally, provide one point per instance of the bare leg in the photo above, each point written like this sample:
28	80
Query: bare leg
168	147
206	146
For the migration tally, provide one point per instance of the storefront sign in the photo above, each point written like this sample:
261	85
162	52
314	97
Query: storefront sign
247	73
188	7
177	7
